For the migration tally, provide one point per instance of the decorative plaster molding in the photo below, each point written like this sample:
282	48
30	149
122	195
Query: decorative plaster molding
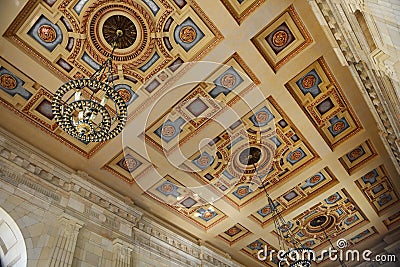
28	170
371	76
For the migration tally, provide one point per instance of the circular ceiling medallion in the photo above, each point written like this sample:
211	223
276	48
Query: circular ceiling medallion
233	231
208	214
122	25
168	130
250	156
315	179
102	22
308	81
247	155
296	155
338	126
167	188
355	153
125	94
242	191
130	163
262	117
228	80
320	223
47	33
280	38
204	160
187	34
8	82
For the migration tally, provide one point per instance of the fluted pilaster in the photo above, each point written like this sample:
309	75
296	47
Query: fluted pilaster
122	253
63	252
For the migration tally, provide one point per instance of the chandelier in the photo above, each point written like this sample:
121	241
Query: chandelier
296	255
90	109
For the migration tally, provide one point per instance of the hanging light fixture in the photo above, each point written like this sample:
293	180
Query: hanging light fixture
320	223
90	109
296	254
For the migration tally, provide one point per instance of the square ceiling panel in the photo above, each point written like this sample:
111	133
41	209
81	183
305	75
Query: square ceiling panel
283	149
128	165
282	39
294	197
336	214
215	94
186	202
358	156
73	38
234	234
240	9
322	99
378	189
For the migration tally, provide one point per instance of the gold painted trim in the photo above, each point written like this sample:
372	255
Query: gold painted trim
301	27
196	223
239	18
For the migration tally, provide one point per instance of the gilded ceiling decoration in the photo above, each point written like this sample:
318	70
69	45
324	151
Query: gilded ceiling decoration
297	195
309	132
378	189
267	129
282	39
72	38
186	202
128	164
234	234
358	156
241	9
321	98
206	100
334	215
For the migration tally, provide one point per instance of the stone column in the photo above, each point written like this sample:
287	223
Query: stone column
63	252
122	253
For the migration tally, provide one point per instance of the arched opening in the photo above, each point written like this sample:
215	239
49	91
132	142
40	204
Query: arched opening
12	244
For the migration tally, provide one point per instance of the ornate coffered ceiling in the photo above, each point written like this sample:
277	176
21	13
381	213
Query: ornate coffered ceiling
207	83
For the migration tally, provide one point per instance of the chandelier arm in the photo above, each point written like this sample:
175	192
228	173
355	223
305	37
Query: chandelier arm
103	70
111	80
272	207
342	263
278	218
97	72
66	101
280	237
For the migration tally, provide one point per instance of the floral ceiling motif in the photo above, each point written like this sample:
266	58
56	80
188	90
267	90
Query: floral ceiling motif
307	131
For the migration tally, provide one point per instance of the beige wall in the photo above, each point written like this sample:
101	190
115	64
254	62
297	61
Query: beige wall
66	220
